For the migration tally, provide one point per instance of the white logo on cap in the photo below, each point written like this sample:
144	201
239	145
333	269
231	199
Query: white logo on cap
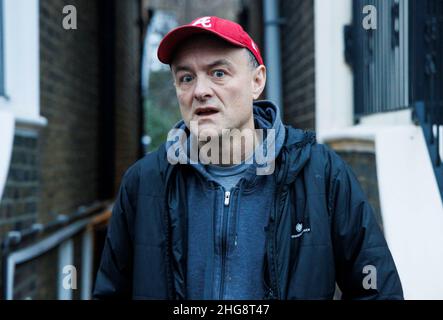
204	22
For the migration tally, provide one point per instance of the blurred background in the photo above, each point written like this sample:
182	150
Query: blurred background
79	106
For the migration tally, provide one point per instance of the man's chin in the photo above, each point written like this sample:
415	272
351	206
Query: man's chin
205	130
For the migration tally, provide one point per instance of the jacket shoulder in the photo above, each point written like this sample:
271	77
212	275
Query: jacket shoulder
328	156
148	173
320	155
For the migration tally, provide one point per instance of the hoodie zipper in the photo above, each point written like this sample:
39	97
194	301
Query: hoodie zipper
227	200
227	197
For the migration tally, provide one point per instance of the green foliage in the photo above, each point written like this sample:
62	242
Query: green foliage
161	108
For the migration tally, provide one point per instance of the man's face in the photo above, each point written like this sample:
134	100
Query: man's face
216	85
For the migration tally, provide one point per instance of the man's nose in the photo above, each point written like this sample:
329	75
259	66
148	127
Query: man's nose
202	89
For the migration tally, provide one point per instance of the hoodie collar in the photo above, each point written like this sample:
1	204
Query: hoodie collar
266	116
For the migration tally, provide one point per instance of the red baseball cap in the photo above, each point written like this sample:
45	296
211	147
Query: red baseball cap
224	29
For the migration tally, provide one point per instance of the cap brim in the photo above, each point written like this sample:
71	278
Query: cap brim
175	37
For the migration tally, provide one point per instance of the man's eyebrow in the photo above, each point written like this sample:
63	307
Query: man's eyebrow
181	68
221	62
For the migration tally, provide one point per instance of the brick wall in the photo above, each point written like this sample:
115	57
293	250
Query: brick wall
69	100
127	103
18	206
363	164
57	169
298	63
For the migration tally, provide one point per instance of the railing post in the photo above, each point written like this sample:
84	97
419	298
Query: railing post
87	258
65	258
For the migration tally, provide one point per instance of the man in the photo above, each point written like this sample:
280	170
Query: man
189	224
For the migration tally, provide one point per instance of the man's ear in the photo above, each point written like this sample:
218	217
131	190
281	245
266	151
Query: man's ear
258	81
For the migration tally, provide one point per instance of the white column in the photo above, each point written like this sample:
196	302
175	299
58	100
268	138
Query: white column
333	77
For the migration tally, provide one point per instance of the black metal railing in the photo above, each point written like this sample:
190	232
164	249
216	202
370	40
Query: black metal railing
379	57
427	76
399	65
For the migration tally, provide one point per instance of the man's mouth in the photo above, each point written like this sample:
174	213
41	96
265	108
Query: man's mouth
207	111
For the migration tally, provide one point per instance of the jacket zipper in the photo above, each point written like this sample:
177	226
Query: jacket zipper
272	264
274	291
274	258
172	292
227	199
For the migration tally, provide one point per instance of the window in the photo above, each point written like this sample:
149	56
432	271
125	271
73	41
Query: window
2	70
20	62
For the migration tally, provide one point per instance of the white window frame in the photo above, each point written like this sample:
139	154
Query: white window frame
22	62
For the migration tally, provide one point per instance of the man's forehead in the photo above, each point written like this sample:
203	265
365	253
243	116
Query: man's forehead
206	47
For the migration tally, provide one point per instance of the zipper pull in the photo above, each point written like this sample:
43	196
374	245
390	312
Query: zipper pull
227	197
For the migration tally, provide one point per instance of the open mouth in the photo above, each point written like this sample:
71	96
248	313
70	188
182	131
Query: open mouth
206	111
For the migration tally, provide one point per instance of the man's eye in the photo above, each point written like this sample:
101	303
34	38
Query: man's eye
219	73
186	79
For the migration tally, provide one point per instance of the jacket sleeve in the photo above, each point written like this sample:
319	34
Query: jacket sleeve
114	277
365	268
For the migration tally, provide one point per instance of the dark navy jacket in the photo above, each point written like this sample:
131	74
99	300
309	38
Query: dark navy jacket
321	231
